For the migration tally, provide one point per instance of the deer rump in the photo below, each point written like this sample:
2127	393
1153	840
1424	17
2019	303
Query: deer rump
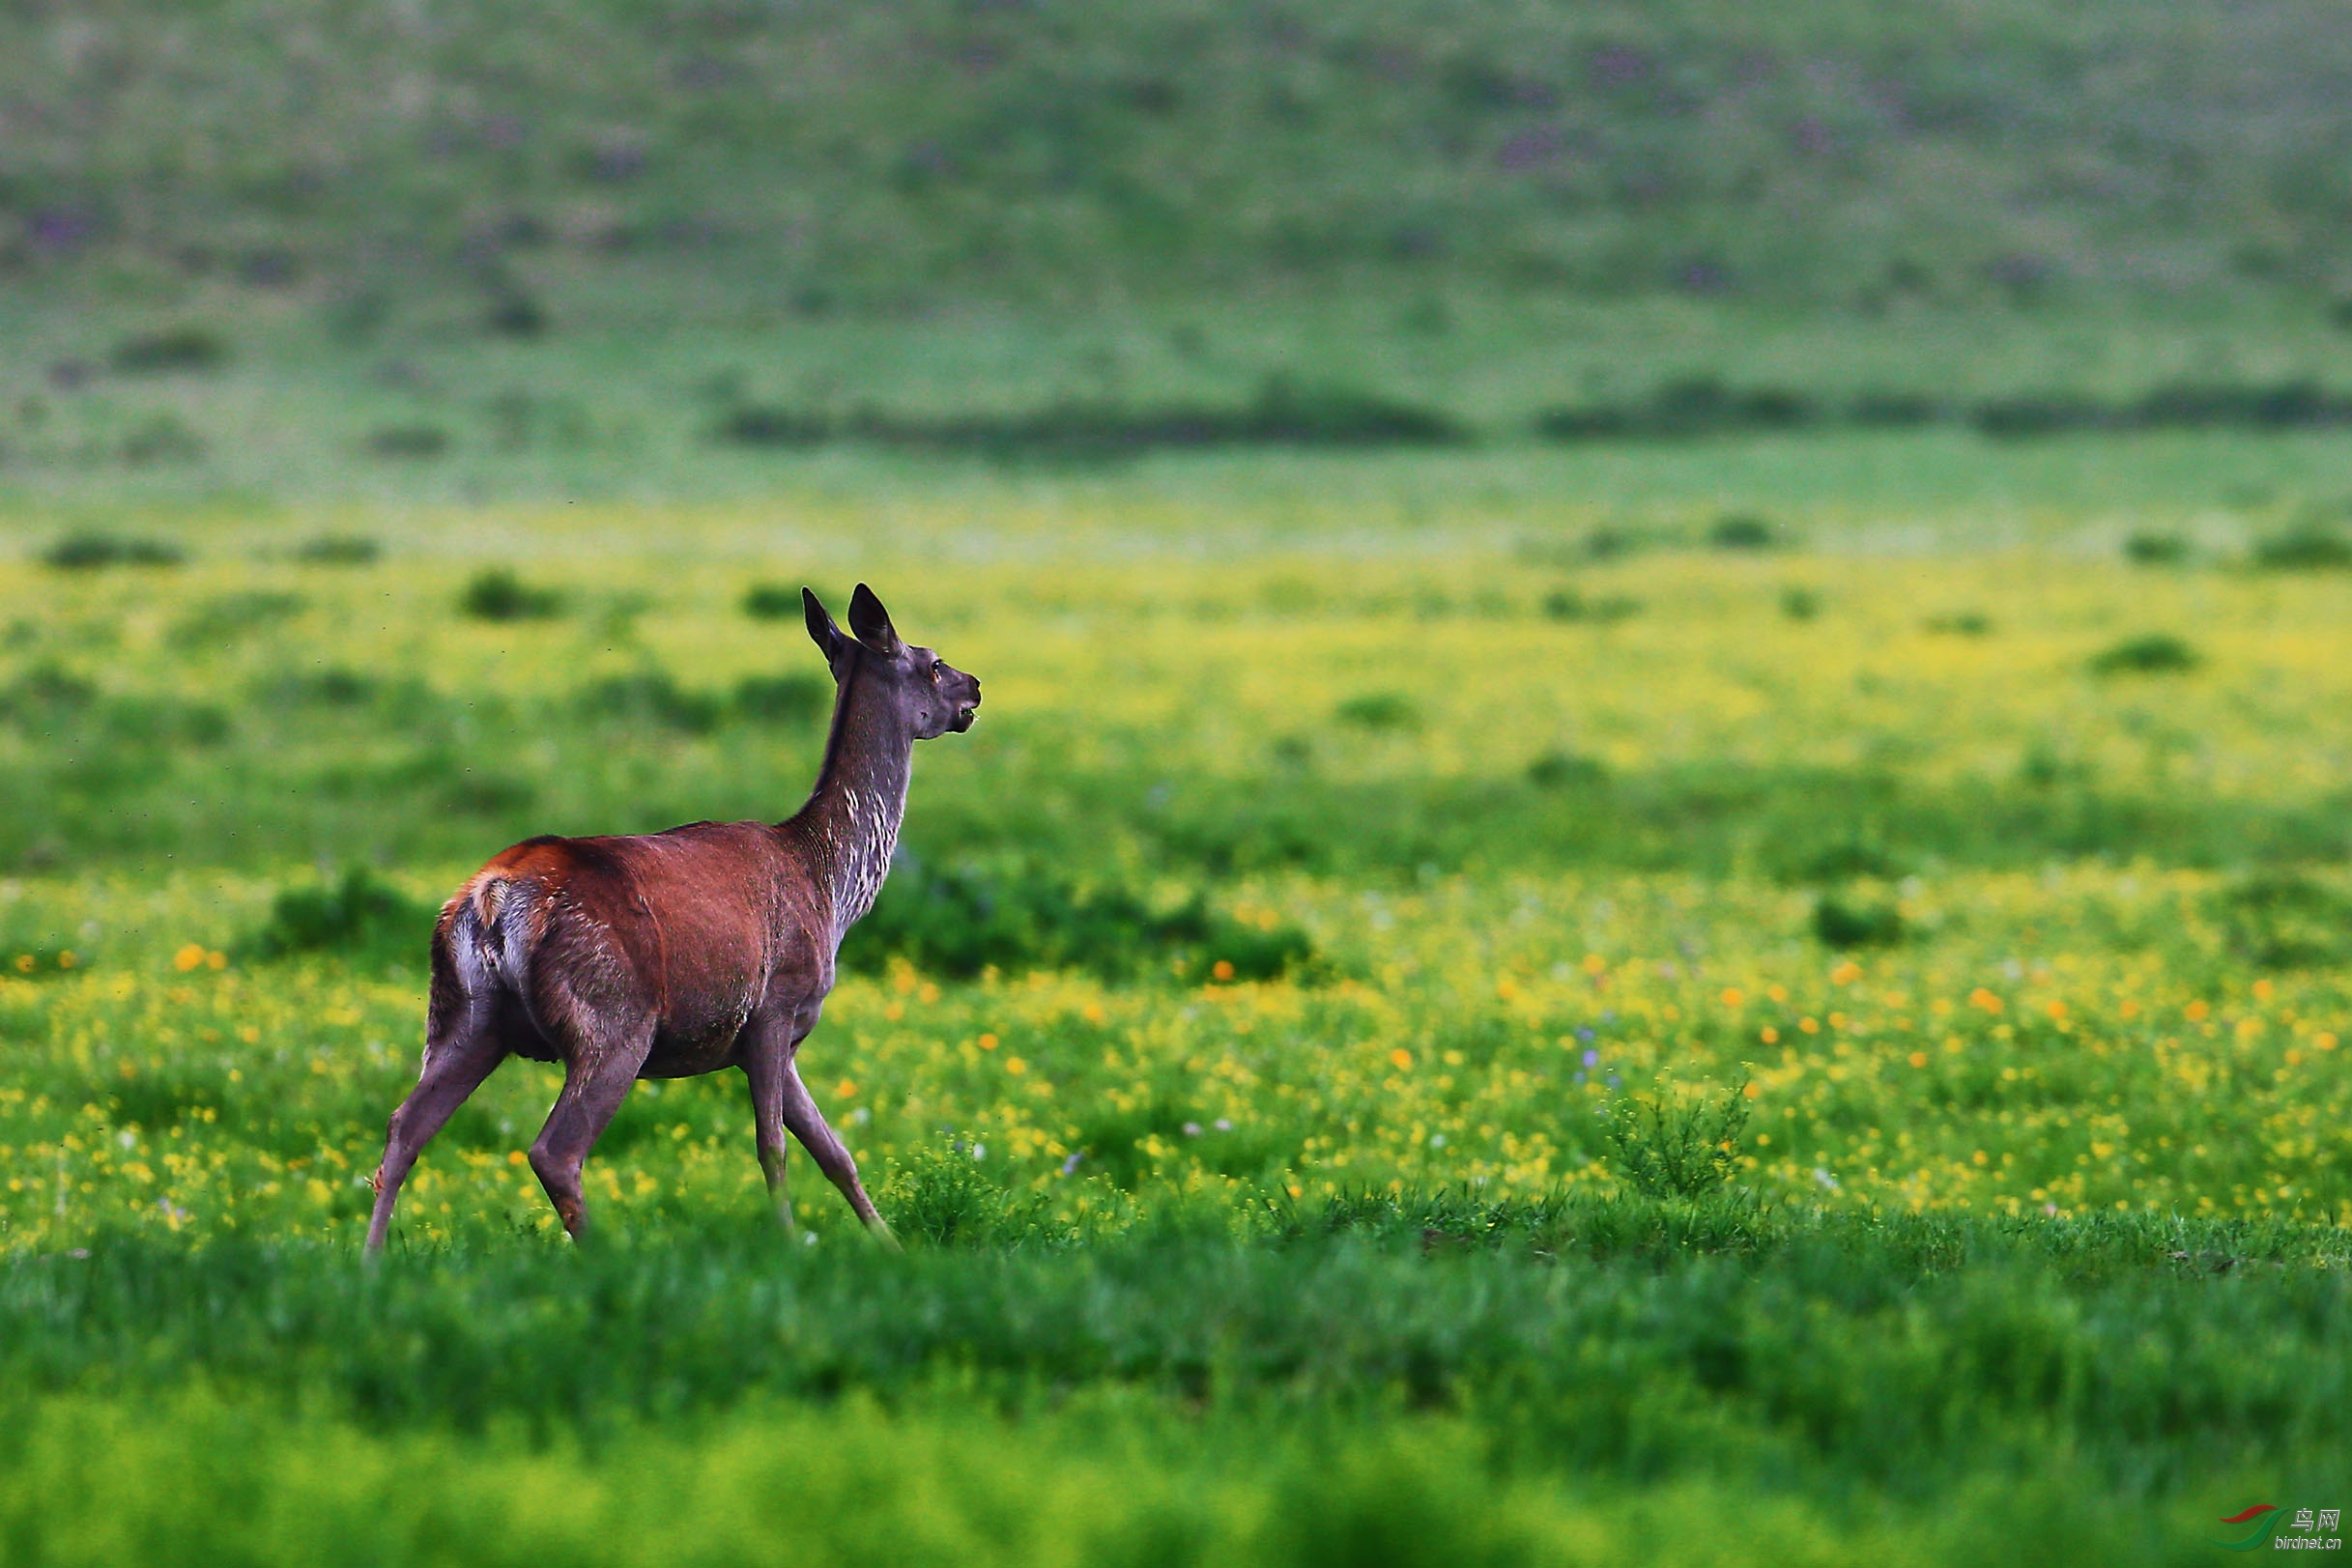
563	944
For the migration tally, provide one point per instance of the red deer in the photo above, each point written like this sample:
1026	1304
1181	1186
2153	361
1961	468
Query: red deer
666	955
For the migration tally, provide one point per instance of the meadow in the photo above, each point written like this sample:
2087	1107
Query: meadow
1657	867
1512	1007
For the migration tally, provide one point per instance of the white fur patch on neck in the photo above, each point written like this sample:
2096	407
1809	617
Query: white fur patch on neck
874	837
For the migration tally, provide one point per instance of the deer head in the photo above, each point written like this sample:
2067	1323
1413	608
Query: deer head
927	695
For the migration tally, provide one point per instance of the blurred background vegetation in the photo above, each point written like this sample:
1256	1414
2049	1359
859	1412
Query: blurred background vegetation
823	157
275	248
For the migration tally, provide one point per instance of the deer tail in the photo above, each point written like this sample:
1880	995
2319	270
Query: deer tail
479	942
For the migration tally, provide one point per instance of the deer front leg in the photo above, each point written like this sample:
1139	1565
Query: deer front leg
832	1157
597	1077
763	1050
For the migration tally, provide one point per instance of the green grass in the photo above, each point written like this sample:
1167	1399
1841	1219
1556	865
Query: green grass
2144	1347
1521	1378
1101	1481
1561	940
2030	1221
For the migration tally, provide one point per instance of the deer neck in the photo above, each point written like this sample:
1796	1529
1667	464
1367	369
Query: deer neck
854	812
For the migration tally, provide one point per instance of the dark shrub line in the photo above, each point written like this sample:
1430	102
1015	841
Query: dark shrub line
1705	406
90	551
1282	415
1697	406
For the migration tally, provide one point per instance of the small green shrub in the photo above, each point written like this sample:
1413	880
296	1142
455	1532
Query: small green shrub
1611	544
89	551
2286	921
2157	653
771	601
358	916
1741	531
1379	710
1679	1149
1565	770
1800	604
180	348
2156	549
515	314
496	593
1843	925
2309	547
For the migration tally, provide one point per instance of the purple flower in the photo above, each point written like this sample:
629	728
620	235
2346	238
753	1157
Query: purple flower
1072	1163
1584	1034
1592	1059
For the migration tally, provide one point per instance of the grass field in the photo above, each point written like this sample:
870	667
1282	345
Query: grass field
1659	865
1473	1007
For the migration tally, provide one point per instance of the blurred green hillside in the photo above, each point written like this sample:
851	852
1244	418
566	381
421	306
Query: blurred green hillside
804	157
256	251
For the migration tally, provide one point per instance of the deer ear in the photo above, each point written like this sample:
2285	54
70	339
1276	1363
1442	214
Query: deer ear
872	622
821	630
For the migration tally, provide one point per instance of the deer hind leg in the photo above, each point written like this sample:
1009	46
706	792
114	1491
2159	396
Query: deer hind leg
764	1067
600	1065
832	1157
455	1065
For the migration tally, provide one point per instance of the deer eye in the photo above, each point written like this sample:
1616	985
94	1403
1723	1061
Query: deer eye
938	668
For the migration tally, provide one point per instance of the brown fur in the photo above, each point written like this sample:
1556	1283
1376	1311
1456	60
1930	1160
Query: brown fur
666	954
